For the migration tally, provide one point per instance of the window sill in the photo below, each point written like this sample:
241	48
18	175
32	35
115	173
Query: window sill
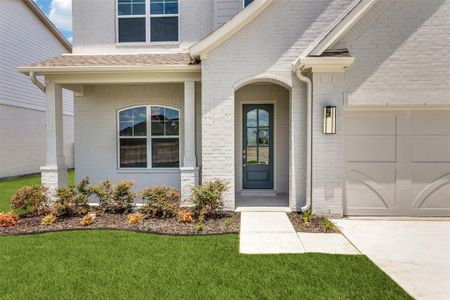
150	171
147	45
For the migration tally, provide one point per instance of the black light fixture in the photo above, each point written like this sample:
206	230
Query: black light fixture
329	120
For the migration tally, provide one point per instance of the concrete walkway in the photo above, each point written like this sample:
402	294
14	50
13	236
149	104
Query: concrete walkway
268	233
415	253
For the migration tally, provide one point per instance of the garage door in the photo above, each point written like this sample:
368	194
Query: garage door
397	163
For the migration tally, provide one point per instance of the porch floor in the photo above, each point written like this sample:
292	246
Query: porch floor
278	202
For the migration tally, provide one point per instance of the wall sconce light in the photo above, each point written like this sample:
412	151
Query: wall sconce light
329	120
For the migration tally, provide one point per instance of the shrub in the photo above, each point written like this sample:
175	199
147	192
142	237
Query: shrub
200	226
160	201
87	220
307	217
30	201
73	201
207	198
117	198
8	219
48	220
135	218
185	216
327	225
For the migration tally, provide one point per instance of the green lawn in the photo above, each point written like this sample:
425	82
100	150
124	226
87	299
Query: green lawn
128	265
9	186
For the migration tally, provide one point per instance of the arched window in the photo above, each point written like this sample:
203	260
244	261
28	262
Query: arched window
149	137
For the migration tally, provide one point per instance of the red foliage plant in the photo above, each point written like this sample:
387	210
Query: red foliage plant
8	220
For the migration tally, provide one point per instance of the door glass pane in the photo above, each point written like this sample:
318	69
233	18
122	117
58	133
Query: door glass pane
263	156
133	153
263	137
263	117
251	118
252	156
251	136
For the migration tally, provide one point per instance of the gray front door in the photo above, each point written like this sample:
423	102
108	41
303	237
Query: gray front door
258	146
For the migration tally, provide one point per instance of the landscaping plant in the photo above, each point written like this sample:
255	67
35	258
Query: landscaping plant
307	217
48	220
87	220
30	201
327	225
185	216
8	219
160	201
135	218
73	201
207	199
115	198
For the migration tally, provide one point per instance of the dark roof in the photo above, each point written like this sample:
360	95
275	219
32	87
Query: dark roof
336	53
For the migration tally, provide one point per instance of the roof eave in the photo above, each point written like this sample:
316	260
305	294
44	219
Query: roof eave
326	64
228	29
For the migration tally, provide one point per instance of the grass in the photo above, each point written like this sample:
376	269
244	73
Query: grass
129	265
9	186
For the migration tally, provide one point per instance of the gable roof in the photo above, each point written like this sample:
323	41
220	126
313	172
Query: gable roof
337	29
44	19
230	28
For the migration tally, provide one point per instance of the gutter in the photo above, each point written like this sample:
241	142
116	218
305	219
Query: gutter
36	82
308	82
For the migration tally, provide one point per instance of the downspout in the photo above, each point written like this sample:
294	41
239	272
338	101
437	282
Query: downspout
36	82
308	82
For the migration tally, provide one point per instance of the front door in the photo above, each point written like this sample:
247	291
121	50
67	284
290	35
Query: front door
257	146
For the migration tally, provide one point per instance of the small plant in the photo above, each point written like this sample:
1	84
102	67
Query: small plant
87	220
48	220
207	198
185	216
73	201
8	219
30	201
327	225
115	198
307	217
135	218
200	225
160	201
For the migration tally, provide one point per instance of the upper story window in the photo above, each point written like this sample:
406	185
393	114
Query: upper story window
247	2
147	21
149	137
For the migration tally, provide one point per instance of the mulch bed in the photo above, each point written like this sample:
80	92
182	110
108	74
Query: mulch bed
315	226
226	223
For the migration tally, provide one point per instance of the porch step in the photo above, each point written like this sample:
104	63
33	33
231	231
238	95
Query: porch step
258	193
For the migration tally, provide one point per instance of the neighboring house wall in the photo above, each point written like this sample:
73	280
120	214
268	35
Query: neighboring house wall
225	10
96	130
399	61
94	26
268	45
25	39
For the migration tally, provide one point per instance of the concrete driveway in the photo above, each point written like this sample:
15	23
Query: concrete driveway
415	253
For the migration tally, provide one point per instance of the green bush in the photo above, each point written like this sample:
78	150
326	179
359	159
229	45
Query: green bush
30	201
207	198
327	225
115	198
160	201
72	201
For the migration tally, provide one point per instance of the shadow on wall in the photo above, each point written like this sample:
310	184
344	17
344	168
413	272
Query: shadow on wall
392	50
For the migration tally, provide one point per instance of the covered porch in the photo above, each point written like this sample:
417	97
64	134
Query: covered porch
135	118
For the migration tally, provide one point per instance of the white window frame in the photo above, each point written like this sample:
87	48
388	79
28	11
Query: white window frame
243	4
149	137
147	17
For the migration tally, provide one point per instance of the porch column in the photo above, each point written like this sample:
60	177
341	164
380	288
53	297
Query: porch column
54	173
189	170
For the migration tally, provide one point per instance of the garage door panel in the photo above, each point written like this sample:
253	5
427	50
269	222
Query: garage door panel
430	148
430	122
369	123
370	148
431	186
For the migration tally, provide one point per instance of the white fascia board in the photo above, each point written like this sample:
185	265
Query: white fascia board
326	64
228	29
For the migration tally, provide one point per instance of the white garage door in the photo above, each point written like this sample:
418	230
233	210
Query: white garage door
397	163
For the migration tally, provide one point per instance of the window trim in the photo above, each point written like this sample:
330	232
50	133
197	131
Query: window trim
243	4
148	29
149	137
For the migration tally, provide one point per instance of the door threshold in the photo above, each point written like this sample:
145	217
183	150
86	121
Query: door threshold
263	209
258	193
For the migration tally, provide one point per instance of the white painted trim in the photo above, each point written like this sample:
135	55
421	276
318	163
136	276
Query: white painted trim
227	30
337	29
326	64
149	137
396	108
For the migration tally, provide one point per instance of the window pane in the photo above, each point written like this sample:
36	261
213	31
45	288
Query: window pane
140	129
172	128
133	153
163	7
247	2
171	114
126	128
133	122
139	9
165	121
171	8
157	128
124	9
263	158
251	118
165	153
263	137
131	7
131	30
164	29
156	8
263	117
252	154
251	136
